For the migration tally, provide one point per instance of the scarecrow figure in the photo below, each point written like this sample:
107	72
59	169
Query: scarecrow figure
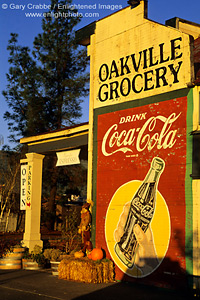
84	227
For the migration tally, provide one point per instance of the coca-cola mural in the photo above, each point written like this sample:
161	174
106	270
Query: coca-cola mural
140	180
135	245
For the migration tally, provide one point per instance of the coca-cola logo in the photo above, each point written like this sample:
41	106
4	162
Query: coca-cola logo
156	132
146	210
137	204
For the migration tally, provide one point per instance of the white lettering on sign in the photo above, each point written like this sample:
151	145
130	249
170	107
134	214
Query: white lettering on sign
142	138
133	118
23	187
66	158
29	186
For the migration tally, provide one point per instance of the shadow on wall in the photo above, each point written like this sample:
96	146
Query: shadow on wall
169	280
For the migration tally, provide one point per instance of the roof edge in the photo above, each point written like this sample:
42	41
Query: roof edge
76	129
174	22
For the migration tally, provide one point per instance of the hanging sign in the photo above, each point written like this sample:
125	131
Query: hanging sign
23	187
67	158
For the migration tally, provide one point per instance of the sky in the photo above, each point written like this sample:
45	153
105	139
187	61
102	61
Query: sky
24	17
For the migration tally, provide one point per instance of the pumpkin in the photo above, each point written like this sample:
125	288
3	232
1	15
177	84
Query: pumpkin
78	254
89	255
96	254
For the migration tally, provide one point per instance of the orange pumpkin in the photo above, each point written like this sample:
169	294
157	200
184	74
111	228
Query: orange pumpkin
96	254
89	255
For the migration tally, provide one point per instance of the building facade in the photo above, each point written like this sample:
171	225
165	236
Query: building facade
143	148
143	142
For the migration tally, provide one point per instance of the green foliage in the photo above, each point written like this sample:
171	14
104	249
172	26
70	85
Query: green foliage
5	246
27	255
37	250
39	258
46	86
36	255
52	254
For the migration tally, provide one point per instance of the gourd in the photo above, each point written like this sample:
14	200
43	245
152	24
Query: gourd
78	254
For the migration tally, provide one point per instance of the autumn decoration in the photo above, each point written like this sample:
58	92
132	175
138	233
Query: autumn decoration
86	270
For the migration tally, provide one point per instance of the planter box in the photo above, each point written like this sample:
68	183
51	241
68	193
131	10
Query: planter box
29	264
12	260
19	250
54	267
9	263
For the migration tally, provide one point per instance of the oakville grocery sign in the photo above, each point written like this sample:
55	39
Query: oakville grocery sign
146	60
139	65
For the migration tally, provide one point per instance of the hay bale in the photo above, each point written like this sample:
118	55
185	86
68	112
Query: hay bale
86	270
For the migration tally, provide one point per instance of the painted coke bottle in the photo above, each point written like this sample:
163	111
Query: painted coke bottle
141	212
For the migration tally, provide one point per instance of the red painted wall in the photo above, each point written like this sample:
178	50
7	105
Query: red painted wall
127	142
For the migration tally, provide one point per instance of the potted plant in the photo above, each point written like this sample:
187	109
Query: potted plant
54	256
34	260
11	258
19	250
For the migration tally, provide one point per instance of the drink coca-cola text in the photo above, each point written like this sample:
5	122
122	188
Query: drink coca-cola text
141	138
